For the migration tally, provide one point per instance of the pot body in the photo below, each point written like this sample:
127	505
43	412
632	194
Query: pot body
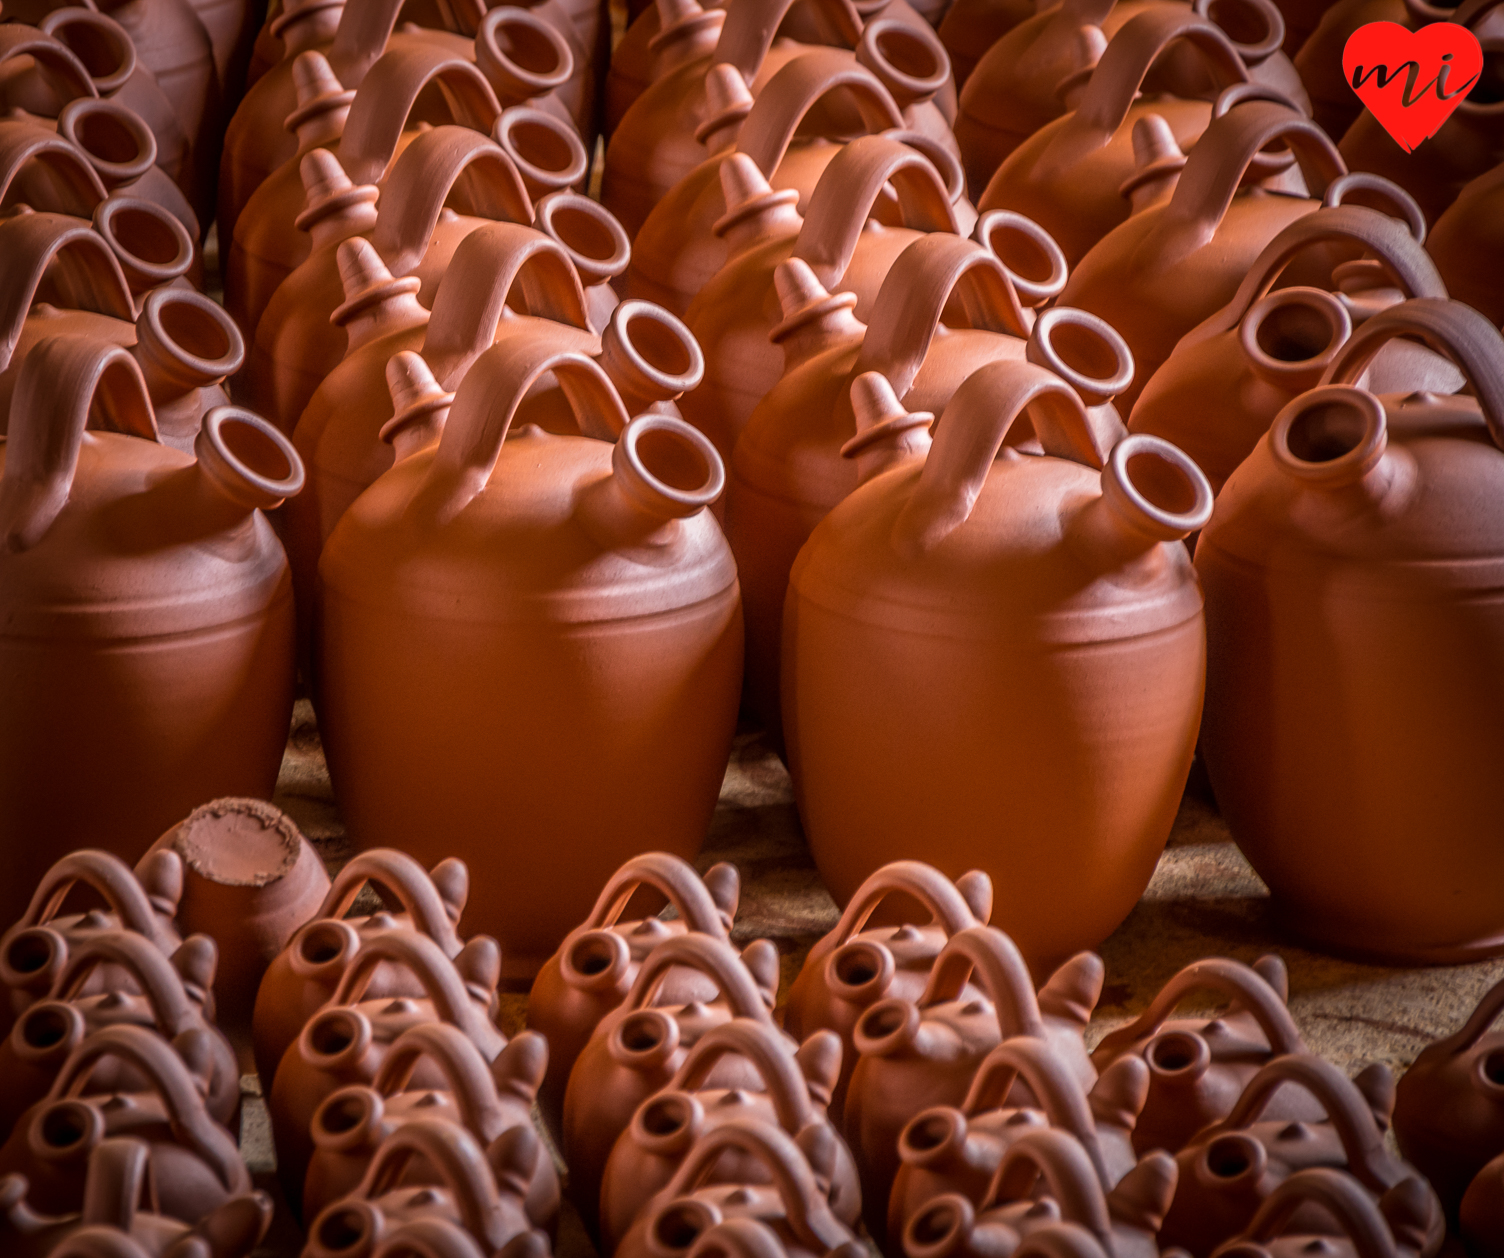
1467	244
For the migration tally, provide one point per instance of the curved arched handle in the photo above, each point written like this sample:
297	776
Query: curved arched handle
1401	204
1341	1199
63	380
939	896
1065	1240
986	956
55	59
790	94
1479	1021
1238	983
673	878
383	105
715	959
103	873
458	1060
362	36
842	201
749	30
1058	1158
435	166
455	1156
976	423
172	1012
98	1242
431	1236
472	298
78	182
407	880
770	1054
1471	12
1452	329
738	1237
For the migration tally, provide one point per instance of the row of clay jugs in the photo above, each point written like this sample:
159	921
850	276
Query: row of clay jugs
628	543
209	628
1361	494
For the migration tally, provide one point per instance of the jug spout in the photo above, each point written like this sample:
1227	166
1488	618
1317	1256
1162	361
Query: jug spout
662	471
1152	492
244	465
650	355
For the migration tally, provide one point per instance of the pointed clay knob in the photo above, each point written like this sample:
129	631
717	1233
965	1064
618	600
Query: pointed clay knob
727	102
886	433
323	177
420	405
1157	157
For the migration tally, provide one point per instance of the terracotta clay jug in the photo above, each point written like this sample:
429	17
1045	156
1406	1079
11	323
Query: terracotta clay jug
1227	379
349	1038
215	620
949	1149
668	1124
34	951
599	960
857	964
640	1045
1198	1067
1379	464
916	1053
629	542
845	740
1395	1227
1467	244
487	1099
1231	1166
304	976
194	1165
112	1222
788	1199
1162	271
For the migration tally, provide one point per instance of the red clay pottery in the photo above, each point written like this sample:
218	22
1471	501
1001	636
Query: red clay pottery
349	1038
667	1125
250	879
482	1192
1224	383
112	1222
1395	1227
595	242
304	976
916	1053
630	553
1468	245
639	1046
1231	1166
1383	467
599	960
528	54
1162	271
194	1165
855	965
786	1197
1198	1067
1334	104
947	1149
486	1099
197	614
885	553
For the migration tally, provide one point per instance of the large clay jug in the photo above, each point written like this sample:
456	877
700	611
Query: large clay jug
1334	104
1394	1227
1345	486
632	555
198	635
1468	244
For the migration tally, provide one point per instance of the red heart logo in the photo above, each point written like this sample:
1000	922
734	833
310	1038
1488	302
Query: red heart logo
1412	80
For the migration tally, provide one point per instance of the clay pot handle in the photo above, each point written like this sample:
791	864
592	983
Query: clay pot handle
1057	1158
113	1182
714	958
472	297
1064	1240
1450	328
1473	1030
407	880
431	170
62	381
947	907
364	31
383	105
98	1242
848	189
77	264
1401	204
162	986
54	58
102	872
74	178
750	28
460	1062
432	1237
789	95
1340	1197
738	1238
672	877
987	956
1471	12
769	1053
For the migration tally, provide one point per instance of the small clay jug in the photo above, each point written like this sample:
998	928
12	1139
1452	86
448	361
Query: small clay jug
640	1045
668	1124
34	951
194	1166
349	1038
250	879
487	1099
1395	1227
787	1197
303	977
1231	1166
480	1191
599	960
1380	467
948	1149
627	541
195	613
112	1222
1467	244
917	1053
857	964
1198	1067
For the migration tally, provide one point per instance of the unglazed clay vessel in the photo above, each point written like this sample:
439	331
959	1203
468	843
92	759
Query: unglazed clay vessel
955	535
918	1052
599	960
630	552
857	964
1394	1227
1334	104
791	1095
1468	245
194	625
1383	467
304	976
